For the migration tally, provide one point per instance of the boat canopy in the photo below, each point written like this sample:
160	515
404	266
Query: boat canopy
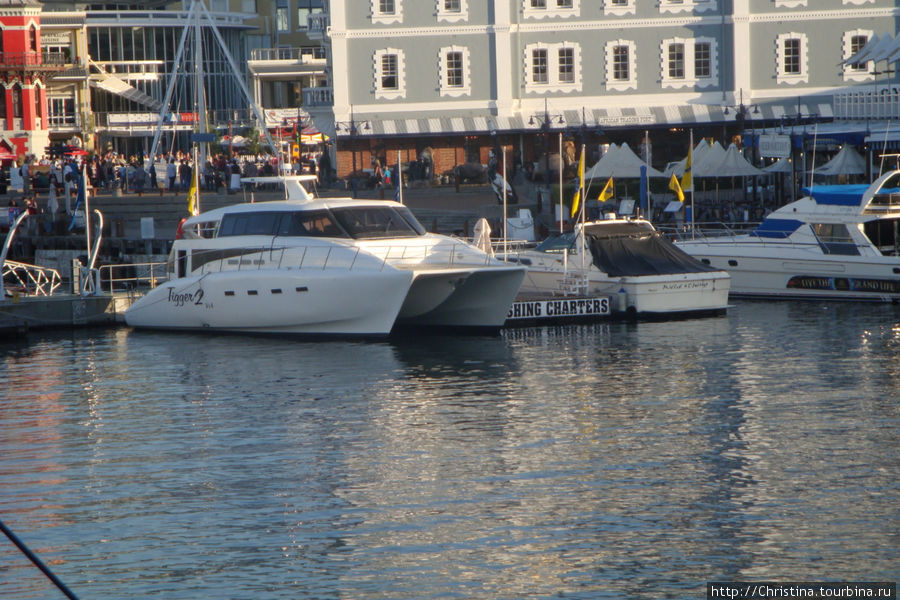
837	195
622	256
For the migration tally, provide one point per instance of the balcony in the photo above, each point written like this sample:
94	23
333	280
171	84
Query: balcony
43	61
318	96
317	26
312	55
869	102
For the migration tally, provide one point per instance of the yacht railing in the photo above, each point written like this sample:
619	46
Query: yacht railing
344	258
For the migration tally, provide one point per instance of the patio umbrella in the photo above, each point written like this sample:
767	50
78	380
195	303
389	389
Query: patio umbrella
700	150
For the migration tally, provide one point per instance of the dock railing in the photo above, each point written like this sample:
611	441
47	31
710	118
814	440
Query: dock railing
30	280
132	278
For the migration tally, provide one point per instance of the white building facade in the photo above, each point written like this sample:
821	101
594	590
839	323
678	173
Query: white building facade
436	72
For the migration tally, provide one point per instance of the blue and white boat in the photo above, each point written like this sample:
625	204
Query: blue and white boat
839	242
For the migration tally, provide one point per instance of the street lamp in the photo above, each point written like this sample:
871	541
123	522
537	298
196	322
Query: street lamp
351	127
545	121
742	112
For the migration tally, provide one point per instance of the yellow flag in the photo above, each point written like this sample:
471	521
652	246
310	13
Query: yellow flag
607	192
577	199
687	181
194	194
676	187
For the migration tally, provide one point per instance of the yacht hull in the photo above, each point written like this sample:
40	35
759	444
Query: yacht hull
646	294
478	298
786	275
276	302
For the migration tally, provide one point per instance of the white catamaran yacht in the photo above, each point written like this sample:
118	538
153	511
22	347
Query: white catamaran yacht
628	260
840	242
319	266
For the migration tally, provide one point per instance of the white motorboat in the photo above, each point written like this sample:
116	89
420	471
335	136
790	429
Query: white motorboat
840	242
628	260
319	266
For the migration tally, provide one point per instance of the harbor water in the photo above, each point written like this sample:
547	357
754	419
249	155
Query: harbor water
612	460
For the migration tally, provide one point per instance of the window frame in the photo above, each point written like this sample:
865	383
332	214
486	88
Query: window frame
450	16
680	6
782	75
447	90
385	93
690	79
550	9
613	83
626	7
849	73
553	69
386	18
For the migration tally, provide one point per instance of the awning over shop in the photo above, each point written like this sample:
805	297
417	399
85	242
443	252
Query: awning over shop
686	115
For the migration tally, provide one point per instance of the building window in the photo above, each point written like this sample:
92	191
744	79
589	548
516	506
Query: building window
389	72
553	67
791	58
218	6
248	6
282	19
618	7
539	66
17	101
390	80
688	62
702	60
676	61
452	11
387	11
853	42
454	62
305	8
789	3
540	9
621	65
677	6
454	69
33	38
566	65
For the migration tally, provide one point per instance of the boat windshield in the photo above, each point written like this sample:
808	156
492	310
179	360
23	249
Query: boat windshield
558	244
369	222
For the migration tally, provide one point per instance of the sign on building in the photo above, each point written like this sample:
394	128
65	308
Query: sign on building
774	145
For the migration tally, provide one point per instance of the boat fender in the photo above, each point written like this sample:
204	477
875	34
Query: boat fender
622	299
179	232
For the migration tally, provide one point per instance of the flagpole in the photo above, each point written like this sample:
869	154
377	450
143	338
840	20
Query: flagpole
691	166
503	191
560	181
583	198
399	179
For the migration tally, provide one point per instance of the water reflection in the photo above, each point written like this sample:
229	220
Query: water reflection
611	460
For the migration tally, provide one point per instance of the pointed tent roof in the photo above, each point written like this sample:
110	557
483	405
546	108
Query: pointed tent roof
733	164
700	149
846	162
783	165
705	166
620	161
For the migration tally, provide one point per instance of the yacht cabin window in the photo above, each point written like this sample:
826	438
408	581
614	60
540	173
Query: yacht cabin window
363	222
